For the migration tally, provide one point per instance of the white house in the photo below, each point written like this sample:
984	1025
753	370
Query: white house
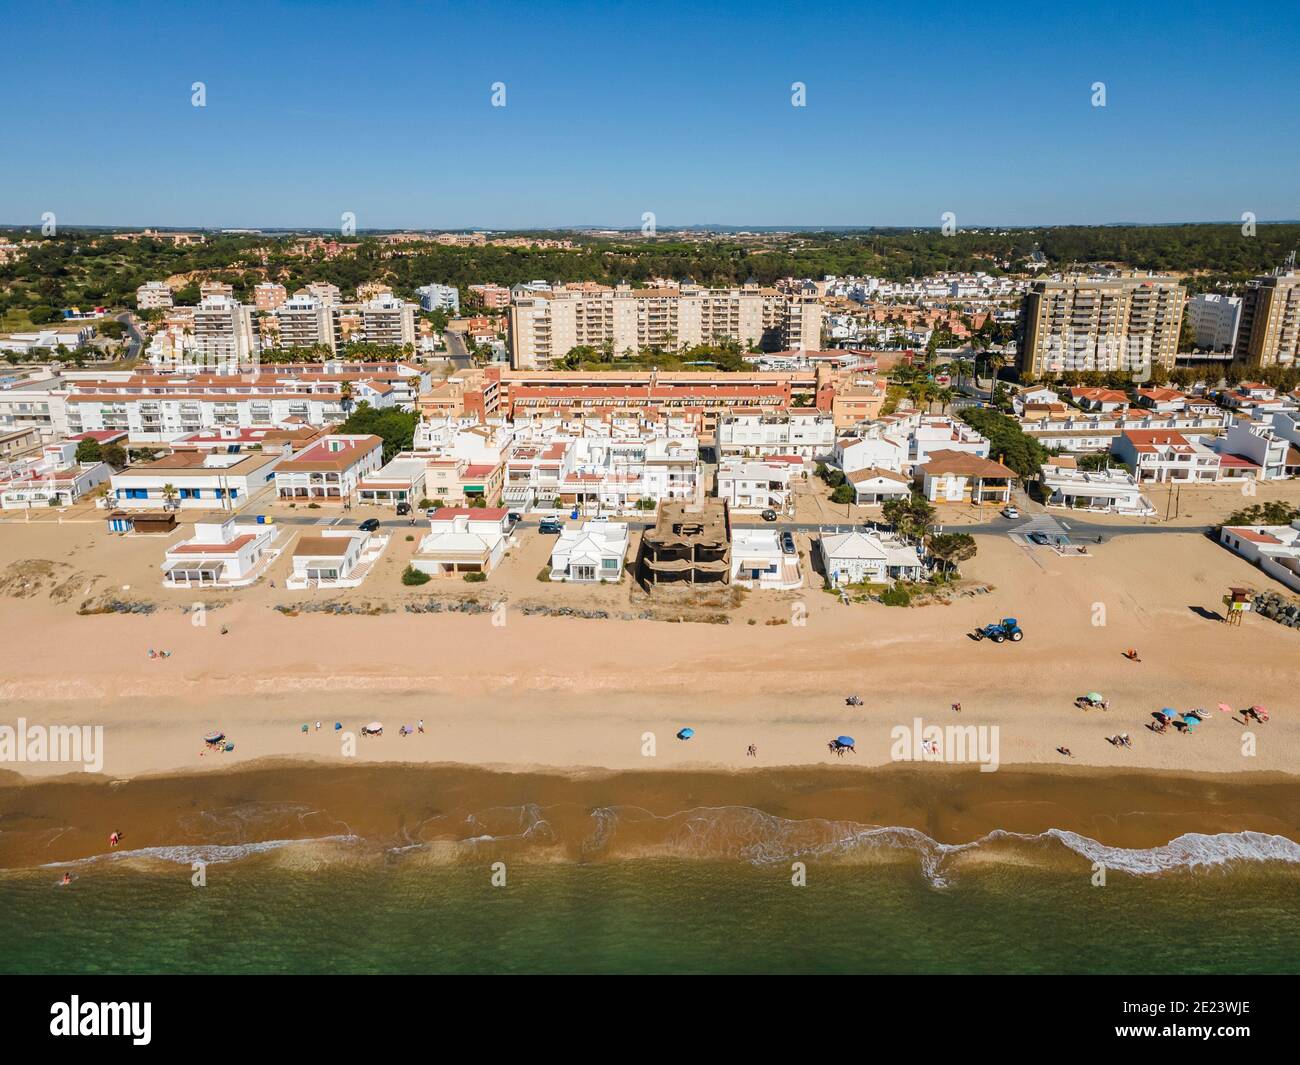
594	552
463	540
751	485
55	479
220	555
959	477
334	558
758	561
1273	548
1113	490
869	447
857	557
873	485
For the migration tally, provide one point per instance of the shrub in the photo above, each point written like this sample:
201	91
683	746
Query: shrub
896	596
413	577
475	578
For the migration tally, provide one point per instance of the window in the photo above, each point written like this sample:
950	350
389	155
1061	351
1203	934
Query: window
609	563
137	493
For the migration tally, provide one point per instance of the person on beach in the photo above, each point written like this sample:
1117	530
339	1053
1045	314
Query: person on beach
67	879
114	838
317	726
751	751
1065	751
1132	655
956	708
420	725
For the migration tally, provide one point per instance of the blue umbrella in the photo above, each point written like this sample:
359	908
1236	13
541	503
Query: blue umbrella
1191	722
686	734
1168	713
845	741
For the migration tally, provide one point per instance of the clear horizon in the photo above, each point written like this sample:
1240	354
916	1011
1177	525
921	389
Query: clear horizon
684	112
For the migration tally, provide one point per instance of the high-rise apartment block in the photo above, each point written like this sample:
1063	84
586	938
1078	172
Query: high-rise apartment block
1123	324
546	324
1269	334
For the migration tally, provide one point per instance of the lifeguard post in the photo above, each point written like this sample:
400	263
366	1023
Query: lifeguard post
1238	602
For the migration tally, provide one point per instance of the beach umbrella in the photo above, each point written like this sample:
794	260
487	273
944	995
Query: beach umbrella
214	737
1225	708
1191	722
1261	711
1095	697
1168	712
686	734
845	741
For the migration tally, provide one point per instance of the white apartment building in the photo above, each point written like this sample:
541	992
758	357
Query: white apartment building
808	434
193	480
546	325
435	297
1214	320
223	331
1077	432
1161	456
42	406
158	408
153	296
1262	441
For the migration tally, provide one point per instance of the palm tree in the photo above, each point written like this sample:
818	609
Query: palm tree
945	397
169	496
345	397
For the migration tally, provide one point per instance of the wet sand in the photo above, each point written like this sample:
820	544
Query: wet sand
401	805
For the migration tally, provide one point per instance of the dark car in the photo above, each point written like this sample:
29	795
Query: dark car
514	517
787	542
369	525
768	515
1042	539
550	525
403	509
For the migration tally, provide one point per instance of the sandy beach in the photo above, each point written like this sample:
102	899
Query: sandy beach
508	690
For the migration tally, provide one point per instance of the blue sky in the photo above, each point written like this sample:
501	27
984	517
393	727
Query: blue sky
614	109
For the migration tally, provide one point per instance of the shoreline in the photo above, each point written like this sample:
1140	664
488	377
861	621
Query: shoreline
587	815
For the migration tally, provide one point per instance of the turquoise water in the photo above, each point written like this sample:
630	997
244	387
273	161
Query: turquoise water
257	915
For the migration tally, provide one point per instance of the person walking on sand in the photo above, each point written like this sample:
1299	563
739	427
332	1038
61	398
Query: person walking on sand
114	838
1132	655
956	708
420	725
317	726
1065	751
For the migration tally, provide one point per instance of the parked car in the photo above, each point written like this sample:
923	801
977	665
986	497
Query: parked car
1042	539
1010	512
369	525
514	517
768	515
553	526
787	542
403	509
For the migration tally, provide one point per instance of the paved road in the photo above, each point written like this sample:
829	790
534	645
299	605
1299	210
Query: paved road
457	350
136	341
1080	531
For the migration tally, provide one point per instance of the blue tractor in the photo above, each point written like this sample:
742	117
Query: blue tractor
1006	629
